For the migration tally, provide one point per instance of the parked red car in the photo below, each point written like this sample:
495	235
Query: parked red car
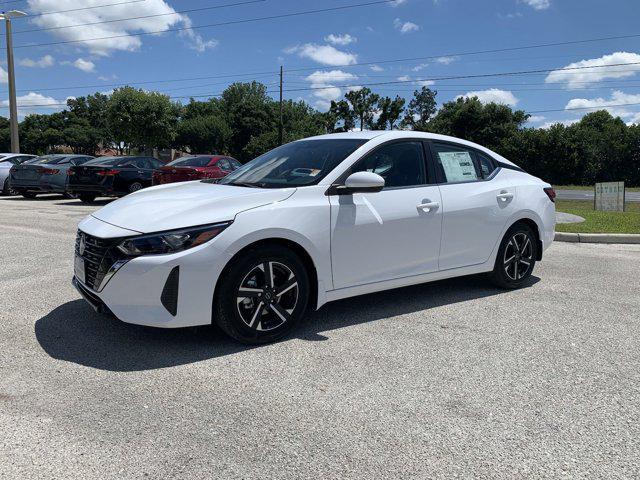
195	167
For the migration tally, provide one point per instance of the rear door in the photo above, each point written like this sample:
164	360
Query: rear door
476	204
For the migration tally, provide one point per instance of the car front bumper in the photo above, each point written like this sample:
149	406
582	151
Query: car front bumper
134	293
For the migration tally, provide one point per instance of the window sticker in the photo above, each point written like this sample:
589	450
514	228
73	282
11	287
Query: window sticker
458	166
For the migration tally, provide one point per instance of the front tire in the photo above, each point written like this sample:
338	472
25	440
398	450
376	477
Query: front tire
516	258
29	195
6	188
262	296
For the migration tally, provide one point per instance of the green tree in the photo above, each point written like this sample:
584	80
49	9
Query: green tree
470	119
248	111
142	120
421	108
390	111
93	110
341	112
363	103
204	134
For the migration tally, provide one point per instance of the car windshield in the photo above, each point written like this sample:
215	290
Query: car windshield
304	162
190	162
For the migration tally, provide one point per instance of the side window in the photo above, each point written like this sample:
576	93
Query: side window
486	165
142	163
400	164
224	164
234	163
455	164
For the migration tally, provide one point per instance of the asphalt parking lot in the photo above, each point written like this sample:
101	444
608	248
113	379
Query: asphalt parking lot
451	379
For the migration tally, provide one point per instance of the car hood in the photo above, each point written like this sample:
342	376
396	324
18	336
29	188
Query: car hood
179	205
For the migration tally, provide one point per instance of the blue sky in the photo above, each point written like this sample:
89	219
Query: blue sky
318	51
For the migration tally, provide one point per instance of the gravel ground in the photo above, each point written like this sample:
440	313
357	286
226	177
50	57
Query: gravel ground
445	380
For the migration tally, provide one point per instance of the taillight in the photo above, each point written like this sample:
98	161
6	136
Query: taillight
107	173
551	193
48	171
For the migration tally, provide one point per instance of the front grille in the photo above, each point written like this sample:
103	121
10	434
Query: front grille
99	254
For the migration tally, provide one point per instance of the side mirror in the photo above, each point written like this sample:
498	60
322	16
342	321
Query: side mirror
359	182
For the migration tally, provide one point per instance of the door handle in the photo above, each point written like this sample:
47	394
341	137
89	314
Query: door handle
504	196
428	206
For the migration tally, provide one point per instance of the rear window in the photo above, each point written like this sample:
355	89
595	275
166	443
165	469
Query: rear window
190	162
49	159
112	161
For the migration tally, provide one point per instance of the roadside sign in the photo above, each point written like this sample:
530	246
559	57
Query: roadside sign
609	196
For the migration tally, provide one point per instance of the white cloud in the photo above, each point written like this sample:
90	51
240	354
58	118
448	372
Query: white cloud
566	123
425	83
626	112
119	32
404	78
397	3
344	39
324	82
84	65
43	62
376	68
195	41
493	95
538	4
420	66
33	102
324	54
536	119
4	77
445	60
579	78
405	27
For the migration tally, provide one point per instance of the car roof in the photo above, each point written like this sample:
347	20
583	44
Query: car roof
386	135
17	155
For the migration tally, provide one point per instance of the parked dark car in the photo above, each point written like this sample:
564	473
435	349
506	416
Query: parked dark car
45	174
111	177
195	167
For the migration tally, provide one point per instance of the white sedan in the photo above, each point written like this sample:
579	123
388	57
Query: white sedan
312	221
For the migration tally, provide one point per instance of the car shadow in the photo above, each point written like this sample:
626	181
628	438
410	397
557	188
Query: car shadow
75	333
76	202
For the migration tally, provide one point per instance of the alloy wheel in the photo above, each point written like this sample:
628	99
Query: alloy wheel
518	256
267	296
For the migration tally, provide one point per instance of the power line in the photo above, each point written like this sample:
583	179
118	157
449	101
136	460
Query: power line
457	77
477	52
211	25
177	12
409	81
599	107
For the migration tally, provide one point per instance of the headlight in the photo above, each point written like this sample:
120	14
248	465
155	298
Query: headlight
170	241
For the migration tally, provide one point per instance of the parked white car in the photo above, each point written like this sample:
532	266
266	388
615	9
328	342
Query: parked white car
8	160
309	222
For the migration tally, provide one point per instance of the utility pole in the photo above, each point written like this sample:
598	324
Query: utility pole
280	125
13	107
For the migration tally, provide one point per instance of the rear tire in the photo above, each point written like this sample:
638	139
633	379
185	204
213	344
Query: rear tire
29	195
87	197
6	188
262	296
516	257
135	186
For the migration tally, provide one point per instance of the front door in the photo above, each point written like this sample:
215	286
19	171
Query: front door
390	234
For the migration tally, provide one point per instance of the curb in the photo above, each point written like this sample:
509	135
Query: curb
628	238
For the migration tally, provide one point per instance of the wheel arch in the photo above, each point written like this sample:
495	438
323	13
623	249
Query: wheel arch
533	225
314	291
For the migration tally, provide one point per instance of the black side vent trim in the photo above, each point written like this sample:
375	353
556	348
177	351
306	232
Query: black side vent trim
169	297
